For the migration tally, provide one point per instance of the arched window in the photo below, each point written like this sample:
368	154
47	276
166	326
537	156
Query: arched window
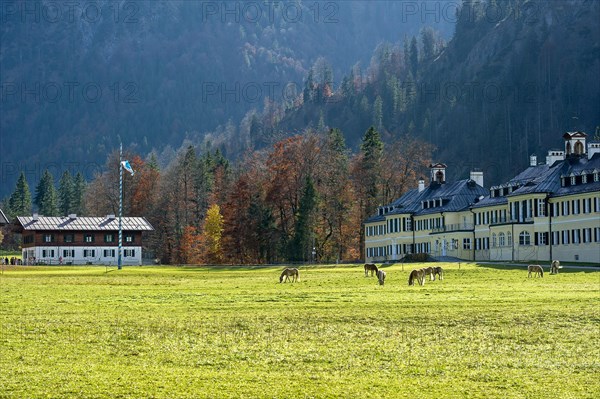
439	176
524	238
501	239
578	148
568	148
494	240
509	240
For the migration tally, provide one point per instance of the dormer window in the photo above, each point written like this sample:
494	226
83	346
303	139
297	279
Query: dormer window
596	177
583	178
573	180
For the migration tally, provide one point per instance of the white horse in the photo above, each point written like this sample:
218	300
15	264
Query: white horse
555	266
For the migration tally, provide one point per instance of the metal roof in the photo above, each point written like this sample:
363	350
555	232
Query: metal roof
457	196
3	218
547	179
84	223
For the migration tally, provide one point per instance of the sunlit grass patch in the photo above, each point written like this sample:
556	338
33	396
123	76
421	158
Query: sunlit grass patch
236	332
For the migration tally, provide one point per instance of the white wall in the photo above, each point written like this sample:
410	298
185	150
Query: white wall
79	259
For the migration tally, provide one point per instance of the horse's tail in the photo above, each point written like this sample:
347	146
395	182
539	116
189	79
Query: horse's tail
541	271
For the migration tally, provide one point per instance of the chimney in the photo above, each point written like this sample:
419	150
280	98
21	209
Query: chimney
36	217
533	160
72	216
110	217
421	185
477	176
554	155
593	148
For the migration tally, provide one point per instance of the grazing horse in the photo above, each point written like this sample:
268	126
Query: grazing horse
555	266
536	269
381	276
439	271
370	267
293	272
429	270
419	275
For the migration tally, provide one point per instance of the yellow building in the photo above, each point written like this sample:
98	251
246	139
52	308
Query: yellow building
549	211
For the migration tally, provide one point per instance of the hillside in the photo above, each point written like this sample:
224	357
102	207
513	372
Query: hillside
514	75
76	78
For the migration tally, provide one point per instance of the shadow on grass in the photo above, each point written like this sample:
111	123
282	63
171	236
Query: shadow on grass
280	267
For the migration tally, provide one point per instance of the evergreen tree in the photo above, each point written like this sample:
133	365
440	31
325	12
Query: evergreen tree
309	88
46	197
77	200
378	113
414	56
428	40
301	244
19	203
66	191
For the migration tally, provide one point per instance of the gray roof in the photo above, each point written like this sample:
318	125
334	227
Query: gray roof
456	196
84	223
3	218
547	179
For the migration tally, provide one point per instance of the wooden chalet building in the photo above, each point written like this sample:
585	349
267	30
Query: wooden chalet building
81	240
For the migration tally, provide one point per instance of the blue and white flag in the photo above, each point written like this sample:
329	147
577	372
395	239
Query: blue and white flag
125	165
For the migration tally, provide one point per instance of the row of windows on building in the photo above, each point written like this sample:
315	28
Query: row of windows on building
524	210
563	237
87	253
397	225
70	238
520	211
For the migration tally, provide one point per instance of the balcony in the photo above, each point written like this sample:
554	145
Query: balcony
501	221
453	227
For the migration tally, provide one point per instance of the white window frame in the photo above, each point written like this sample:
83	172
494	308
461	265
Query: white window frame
524	238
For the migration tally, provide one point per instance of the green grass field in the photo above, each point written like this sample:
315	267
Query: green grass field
167	332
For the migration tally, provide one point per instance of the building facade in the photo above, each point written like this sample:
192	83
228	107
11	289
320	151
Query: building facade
549	211
81	240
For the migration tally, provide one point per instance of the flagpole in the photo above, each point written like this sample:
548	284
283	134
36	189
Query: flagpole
120	204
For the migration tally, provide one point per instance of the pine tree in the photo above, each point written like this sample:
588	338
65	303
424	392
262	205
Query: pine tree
309	88
414	56
66	193
19	203
46	197
78	202
301	244
378	113
428	40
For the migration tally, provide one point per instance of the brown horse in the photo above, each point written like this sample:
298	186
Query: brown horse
289	272
429	270
439	271
381	276
370	267
417	274
555	266
536	269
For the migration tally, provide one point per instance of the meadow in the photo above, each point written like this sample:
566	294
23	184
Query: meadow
235	332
